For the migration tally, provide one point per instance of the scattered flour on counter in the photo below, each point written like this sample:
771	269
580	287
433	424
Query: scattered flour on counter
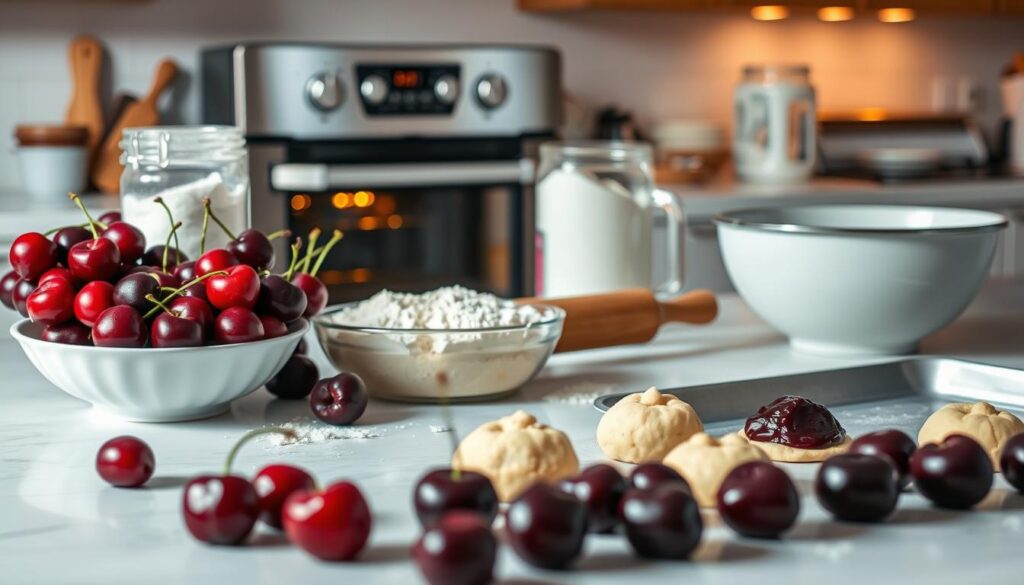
583	394
440	429
309	433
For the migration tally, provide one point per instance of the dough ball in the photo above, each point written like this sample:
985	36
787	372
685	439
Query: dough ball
515	452
788	454
704	461
646	426
981	421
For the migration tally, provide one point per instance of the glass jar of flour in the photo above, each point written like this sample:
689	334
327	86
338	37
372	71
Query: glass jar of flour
595	206
184	165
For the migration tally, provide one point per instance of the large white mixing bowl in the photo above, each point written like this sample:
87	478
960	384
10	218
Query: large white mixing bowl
858	279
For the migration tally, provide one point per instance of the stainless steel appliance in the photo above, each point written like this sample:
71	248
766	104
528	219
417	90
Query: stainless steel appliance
422	155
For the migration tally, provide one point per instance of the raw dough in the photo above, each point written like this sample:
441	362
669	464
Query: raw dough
787	454
980	421
515	452
646	426
704	461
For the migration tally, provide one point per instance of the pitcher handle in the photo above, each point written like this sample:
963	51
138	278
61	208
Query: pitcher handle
669	204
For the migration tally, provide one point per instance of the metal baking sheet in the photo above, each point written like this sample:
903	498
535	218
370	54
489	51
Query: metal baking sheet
899	394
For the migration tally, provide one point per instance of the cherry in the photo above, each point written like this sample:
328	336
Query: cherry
58	273
274	483
237	325
758	499
154	256
66	237
280	298
96	259
125	461
253	248
857	487
19	296
185	271
94	298
120	326
893	444
648	475
332	525
215	261
295	380
240	287
195	309
459	550
32	254
340	400
316	293
7	284
165	279
600	487
133	289
794	421
170	330
272	327
441	491
956	474
1011	461
131	243
110	217
546	526
69	333
662	522
52	303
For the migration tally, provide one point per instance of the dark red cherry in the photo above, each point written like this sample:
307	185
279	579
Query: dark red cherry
332	525
52	302
316	293
195	309
94	298
237	325
274	483
58	273
154	256
857	487
166	279
460	549
795	421
133	289
442	491
66	237
273	327
253	249
956	474
1011	461
662	522
220	509
240	287
895	445
280	298
600	487
7	284
97	259
120	326
125	462
758	499
170	330
69	333
110	217
19	296
295	380
131	243
186	271
32	254
214	261
546	526
648	475
340	400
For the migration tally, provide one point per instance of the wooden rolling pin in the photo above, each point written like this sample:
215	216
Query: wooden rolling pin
627	316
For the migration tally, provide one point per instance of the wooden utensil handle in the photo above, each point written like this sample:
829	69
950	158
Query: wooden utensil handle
166	71
696	307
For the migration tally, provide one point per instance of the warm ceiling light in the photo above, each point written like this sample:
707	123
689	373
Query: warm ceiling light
769	12
896	14
835	14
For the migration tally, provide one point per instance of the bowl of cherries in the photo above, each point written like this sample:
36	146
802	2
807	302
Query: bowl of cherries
149	335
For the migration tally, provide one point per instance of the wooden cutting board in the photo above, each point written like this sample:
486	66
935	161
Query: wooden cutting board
106	172
86	59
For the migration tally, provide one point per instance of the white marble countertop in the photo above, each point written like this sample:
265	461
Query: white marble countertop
59	523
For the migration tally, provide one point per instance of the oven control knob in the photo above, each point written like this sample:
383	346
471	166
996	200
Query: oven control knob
324	91
491	90
374	89
446	88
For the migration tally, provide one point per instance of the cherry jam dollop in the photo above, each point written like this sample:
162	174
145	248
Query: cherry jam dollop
795	421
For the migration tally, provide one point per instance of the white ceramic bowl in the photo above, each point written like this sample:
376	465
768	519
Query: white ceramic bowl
858	279
158	385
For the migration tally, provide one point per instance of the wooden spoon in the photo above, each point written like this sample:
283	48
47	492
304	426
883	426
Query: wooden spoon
86	58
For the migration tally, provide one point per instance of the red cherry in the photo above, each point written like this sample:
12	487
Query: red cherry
194	309
891	443
442	491
94	298
185	271
546	526
220	509
7	284
52	303
59	273
332	525
459	550
170	330
295	380
68	333
600	487
214	261
758	499
650	475
131	243
133	289
274	483
19	296
67	237
340	400
280	298
253	248
110	217
237	325
955	474
166	279
662	522
316	293
32	254
1011	461
96	259
125	462
154	256
273	327
120	326
240	287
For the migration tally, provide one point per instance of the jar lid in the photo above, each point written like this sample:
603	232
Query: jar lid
51	135
186	145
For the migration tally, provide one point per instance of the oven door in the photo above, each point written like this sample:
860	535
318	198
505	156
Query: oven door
416	226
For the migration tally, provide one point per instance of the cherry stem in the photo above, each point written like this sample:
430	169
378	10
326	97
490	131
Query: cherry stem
296	248
183	288
177	246
288	433
279	234
206	226
92	223
208	208
313	237
335	238
449	421
167	244
159	304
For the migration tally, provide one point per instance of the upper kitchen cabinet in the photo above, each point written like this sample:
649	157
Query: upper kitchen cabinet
976	7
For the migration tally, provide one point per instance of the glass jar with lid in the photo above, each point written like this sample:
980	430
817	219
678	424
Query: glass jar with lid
183	165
